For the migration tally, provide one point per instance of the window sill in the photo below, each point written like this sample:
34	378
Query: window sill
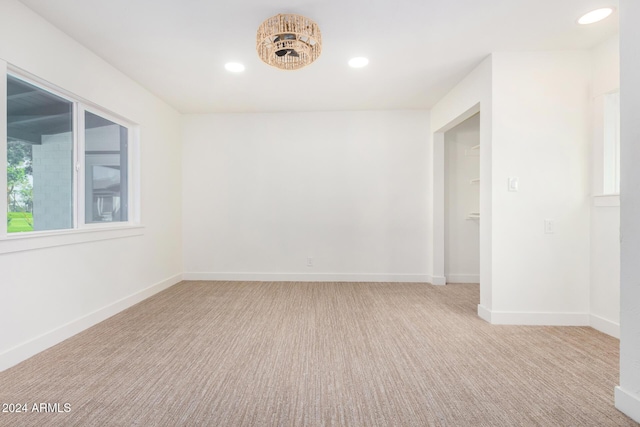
31	241
606	200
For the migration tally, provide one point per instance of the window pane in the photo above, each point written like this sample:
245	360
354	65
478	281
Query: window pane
106	196
39	159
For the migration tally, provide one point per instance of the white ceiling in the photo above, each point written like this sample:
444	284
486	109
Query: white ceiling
418	49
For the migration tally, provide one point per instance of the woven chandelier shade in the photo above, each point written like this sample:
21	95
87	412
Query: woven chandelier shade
289	42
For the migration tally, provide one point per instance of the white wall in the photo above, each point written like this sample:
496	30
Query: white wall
51	293
535	125
605	211
263	192
628	394
462	196
541	135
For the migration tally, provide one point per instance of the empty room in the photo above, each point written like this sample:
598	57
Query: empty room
368	213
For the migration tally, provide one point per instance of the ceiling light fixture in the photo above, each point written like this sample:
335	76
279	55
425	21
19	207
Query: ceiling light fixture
595	16
358	62
234	67
288	42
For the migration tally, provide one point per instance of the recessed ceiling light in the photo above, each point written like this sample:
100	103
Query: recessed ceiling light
358	62
234	67
595	16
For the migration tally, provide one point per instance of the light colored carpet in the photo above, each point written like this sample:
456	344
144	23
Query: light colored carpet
318	354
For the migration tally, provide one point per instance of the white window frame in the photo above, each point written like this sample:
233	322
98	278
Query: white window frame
81	232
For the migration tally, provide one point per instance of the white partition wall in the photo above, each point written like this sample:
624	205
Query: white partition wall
628	393
541	138
534	170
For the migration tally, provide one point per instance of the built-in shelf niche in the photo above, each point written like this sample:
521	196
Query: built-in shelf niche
474	215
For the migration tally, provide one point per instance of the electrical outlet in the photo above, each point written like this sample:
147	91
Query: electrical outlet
309	261
549	226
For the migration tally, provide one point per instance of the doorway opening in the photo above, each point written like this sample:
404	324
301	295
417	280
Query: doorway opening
462	202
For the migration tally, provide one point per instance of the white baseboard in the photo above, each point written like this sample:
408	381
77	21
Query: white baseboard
438	280
484	313
533	318
463	278
23	351
603	325
308	277
628	403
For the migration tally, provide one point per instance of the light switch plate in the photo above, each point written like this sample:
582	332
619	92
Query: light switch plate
512	184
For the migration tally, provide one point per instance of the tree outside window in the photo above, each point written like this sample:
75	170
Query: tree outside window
19	187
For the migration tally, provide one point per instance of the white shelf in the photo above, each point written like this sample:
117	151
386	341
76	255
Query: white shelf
473	215
473	151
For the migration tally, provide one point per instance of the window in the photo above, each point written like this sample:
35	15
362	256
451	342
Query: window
611	144
106	167
39	159
68	165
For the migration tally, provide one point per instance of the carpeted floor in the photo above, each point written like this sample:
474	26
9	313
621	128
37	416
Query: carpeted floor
317	354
